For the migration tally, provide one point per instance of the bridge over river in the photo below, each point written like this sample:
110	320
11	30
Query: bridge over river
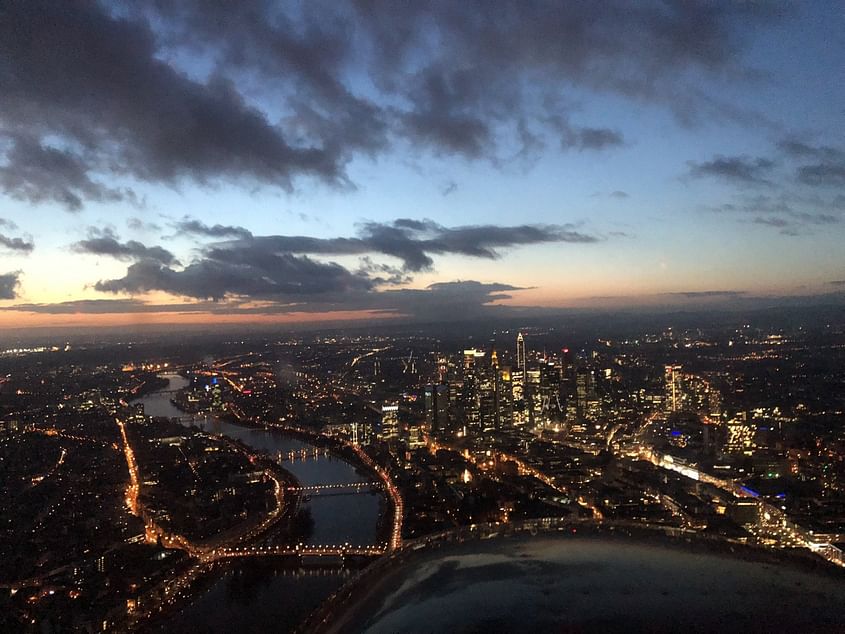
300	552
344	535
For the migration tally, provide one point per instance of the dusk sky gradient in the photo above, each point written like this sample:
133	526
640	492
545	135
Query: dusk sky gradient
257	161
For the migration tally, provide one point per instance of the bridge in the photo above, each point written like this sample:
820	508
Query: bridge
389	486
300	551
192	418
314	453
336	489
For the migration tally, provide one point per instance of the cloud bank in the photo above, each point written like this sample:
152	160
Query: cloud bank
169	93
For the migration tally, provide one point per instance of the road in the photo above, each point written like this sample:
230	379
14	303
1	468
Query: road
154	531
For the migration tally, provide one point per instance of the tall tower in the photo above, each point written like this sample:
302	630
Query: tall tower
389	421
437	408
520	352
674	393
473	377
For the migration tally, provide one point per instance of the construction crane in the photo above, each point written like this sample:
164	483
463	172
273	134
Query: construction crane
409	365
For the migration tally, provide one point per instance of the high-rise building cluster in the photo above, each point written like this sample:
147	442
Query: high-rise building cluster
489	391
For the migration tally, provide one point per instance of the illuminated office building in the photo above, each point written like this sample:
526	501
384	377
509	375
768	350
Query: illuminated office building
534	397
520	411
437	408
473	361
673	378
504	396
389	421
740	436
520	352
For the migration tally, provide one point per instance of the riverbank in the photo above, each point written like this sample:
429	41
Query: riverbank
269	594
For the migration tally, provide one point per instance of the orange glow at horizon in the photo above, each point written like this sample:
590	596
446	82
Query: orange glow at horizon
599	298
19	320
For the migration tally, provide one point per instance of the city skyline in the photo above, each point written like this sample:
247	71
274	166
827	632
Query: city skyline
186	483
325	162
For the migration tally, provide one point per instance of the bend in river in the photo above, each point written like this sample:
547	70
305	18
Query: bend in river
259	595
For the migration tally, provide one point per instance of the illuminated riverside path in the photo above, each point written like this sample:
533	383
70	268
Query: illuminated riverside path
254	593
201	551
337	519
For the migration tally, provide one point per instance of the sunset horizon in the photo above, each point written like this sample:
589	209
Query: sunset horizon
156	171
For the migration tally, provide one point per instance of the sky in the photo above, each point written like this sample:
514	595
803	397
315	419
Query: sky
217	162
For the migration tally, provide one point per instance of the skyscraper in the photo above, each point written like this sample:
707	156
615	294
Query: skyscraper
674	394
471	395
431	407
585	393
389	421
504	400
437	408
488	411
520	414
520	352
441	415
533	397
216	392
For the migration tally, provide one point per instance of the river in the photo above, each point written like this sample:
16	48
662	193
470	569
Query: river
260	596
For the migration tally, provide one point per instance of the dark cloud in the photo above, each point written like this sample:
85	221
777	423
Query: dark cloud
737	169
597	138
440	301
828	168
137	224
446	115
414	241
619	194
273	92
793	214
482	61
729	300
240	273
16	244
19	245
772	222
106	306
37	172
802	150
97	80
580	138
381	273
196	227
281	268
445	300
828	174
706	294
9	283
816	219
104	242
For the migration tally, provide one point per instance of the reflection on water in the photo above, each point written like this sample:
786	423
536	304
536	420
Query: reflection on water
596	584
258	596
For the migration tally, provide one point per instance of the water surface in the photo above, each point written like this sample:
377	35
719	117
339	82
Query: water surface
260	596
